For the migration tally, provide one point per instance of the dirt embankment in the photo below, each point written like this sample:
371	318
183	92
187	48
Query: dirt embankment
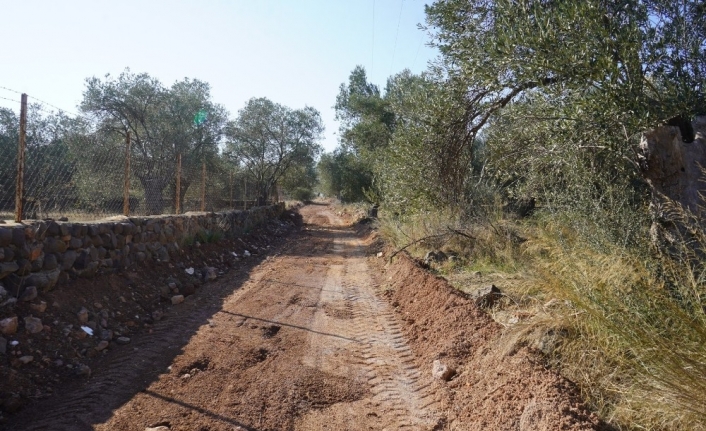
496	386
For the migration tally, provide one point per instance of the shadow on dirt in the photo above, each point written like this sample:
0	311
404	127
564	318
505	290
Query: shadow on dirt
81	403
203	411
303	328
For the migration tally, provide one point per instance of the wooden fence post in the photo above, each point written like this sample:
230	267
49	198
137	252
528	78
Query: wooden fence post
203	187
177	203
126	186
19	188
231	190
245	193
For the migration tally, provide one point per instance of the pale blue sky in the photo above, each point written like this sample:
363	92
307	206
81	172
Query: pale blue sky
294	52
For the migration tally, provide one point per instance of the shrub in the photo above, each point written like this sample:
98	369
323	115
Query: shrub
302	194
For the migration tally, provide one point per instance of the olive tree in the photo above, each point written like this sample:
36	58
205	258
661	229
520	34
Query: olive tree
561	90
270	140
163	122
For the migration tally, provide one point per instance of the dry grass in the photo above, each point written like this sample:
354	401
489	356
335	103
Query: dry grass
292	204
352	212
627	325
493	246
639	345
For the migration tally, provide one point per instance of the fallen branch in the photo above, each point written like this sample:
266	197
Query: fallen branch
458	232
451	231
416	242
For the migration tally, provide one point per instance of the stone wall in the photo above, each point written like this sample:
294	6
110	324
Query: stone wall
43	253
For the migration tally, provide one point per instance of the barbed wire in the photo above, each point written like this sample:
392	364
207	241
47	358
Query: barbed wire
11	100
44	102
42	108
75	114
10	89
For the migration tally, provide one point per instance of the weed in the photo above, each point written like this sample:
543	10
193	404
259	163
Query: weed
188	240
209	236
203	237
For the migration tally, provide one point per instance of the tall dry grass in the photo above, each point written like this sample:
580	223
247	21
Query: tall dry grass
638	345
494	243
631	320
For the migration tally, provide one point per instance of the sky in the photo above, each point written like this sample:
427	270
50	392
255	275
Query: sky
294	52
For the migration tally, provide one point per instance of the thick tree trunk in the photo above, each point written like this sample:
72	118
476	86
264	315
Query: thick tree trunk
170	192
154	198
262	195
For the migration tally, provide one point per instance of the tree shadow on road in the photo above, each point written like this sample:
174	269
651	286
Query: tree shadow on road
201	410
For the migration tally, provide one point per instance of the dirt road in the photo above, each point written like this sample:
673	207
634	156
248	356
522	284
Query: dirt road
317	335
301	342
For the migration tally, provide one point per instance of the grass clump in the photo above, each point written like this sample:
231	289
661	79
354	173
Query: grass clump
202	237
638	342
493	245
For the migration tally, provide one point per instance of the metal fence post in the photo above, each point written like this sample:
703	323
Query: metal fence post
19	188
177	204
126	186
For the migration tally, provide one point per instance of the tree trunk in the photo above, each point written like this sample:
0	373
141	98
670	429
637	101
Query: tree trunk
154	190
170	194
264	194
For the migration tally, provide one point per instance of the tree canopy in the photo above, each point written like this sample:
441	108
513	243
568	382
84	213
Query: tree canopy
546	98
271	140
367	123
163	122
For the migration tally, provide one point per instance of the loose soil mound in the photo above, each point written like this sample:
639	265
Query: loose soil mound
495	387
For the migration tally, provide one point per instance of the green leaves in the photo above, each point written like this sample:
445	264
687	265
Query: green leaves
560	90
345	175
367	122
163	122
270	140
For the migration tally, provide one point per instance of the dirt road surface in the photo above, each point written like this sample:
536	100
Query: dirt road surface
319	335
302	342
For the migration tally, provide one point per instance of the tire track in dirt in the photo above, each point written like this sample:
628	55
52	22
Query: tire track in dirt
305	344
399	399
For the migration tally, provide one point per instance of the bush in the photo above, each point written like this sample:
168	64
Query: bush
302	194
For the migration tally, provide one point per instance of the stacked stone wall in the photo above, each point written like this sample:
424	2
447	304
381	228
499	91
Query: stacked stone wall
43	253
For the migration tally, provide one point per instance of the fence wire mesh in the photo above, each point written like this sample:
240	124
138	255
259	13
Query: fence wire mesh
73	171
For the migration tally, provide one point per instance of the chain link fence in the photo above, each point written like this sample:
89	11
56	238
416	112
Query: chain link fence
72	171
